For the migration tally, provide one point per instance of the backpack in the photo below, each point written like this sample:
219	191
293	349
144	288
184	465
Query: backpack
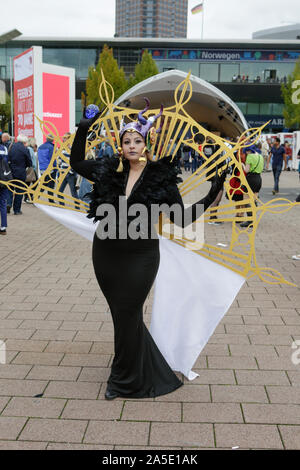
5	172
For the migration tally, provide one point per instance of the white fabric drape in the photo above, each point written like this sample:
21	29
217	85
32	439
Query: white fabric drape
191	295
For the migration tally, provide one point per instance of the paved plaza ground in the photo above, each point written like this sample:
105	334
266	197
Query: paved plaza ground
59	339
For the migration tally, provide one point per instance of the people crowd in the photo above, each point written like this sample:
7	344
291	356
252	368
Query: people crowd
24	155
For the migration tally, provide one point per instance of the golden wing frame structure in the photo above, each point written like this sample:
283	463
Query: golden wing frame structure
179	127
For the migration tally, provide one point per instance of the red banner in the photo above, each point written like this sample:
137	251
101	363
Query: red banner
56	101
24	94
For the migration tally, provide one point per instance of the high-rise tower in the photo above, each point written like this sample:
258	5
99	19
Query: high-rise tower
151	18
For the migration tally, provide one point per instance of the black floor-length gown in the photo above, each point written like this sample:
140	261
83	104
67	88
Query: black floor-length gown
126	269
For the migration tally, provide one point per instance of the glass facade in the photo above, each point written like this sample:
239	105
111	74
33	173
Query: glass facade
265	109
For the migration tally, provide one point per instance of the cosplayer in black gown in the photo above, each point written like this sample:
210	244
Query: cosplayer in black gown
126	268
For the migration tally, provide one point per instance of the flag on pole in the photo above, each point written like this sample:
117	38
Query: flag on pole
197	9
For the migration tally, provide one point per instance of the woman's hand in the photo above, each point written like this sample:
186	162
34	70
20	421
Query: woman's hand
86	123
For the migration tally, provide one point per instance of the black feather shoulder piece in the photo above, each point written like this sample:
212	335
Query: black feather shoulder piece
109	184
157	184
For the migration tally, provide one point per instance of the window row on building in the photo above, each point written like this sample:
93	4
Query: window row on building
261	109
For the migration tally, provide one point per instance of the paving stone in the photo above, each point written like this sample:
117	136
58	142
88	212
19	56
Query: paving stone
272	413
229	339
40	324
253	350
290	436
261	377
68	347
211	376
294	376
86	360
17	445
61	389
189	393
94	374
59	446
102	348
6	333
212	413
263	320
25	345
246	329
231	362
271	339
248	436
3	403
42	358
54	373
117	432
56	430
16	387
81	326
54	335
93	410
34	407
10	427
279	363
183	434
239	394
12	371
27	315
156	411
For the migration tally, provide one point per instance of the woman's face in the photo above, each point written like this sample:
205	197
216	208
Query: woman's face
133	145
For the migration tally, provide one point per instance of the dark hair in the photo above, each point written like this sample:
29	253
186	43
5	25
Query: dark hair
277	139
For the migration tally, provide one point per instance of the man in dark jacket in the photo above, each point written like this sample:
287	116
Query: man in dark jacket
278	157
45	152
19	159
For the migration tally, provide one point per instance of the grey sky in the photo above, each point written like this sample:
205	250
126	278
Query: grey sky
227	19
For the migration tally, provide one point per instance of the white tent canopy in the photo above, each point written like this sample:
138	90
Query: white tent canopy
208	105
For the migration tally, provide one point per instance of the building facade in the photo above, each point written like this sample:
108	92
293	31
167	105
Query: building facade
249	72
151	18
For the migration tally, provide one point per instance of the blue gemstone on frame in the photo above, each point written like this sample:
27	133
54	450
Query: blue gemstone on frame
91	111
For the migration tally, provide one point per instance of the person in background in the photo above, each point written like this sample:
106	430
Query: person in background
5	140
3	194
71	177
45	152
19	159
178	155
298	157
85	185
105	150
265	149
186	158
30	145
278	156
253	167
289	155
209	150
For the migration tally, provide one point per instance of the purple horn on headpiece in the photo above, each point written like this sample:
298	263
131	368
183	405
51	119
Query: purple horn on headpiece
160	112
154	118
141	118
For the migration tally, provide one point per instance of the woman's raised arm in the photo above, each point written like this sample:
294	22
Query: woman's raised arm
83	167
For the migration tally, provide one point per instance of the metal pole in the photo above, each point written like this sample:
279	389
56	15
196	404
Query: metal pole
11	100
202	19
